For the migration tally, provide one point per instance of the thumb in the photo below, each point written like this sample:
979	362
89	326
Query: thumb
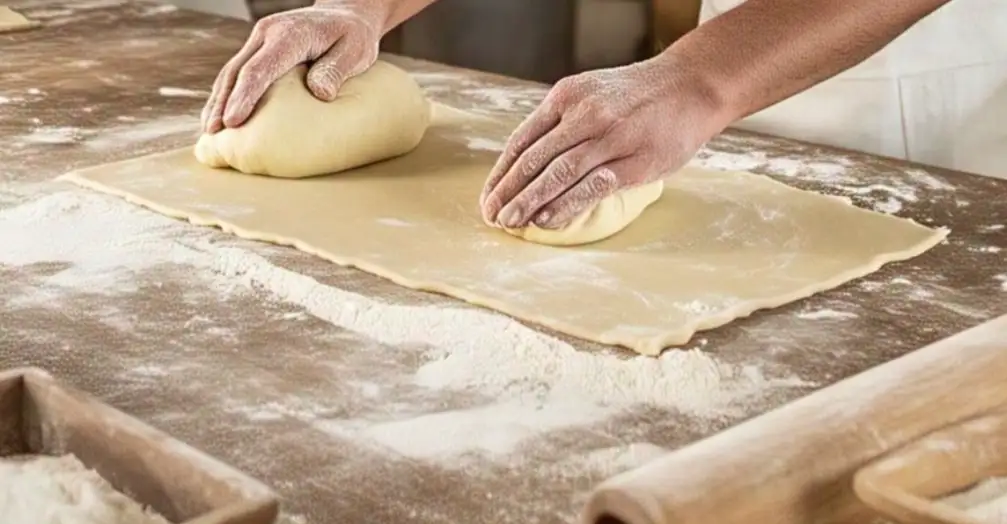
332	69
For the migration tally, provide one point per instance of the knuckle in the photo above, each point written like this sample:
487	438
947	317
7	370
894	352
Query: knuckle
599	111
564	168
265	24
534	161
604	179
562	92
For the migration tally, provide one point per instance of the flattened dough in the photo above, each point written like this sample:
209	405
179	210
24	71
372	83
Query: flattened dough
379	114
715	247
605	219
11	21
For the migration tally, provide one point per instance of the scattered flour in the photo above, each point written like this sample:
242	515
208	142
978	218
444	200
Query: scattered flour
833	170
61	490
826	314
53	135
985	502
109	138
528	383
484	144
119	137
182	92
607	462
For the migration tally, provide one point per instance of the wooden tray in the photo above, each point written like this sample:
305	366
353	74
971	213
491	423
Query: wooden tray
906	485
40	416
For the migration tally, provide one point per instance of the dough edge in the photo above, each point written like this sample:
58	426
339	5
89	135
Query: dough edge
651	346
11	21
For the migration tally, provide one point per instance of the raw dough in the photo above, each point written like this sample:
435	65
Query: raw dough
61	490
605	219
715	247
11	21
379	114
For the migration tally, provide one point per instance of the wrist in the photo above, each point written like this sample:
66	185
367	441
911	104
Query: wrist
377	13
707	97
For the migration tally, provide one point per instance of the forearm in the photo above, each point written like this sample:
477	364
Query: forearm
402	10
764	51
391	12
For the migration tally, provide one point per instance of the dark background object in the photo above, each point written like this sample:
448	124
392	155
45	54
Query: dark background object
530	39
541	40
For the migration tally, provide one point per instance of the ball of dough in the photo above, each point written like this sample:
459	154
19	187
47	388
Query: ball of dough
605	219
377	115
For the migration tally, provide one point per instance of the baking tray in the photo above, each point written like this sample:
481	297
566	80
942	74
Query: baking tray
39	416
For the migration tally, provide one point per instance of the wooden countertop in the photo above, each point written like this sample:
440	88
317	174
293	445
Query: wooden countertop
260	380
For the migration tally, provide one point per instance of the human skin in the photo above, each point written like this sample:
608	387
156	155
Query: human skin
339	37
602	131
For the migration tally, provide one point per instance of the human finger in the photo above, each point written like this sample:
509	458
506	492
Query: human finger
542	120
213	111
272	60
563	173
333	68
528	166
602	182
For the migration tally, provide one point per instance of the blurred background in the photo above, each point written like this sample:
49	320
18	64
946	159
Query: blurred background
542	40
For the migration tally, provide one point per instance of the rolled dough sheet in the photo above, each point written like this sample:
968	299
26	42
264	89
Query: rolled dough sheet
717	245
11	21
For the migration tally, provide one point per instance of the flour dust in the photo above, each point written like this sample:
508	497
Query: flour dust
523	384
61	490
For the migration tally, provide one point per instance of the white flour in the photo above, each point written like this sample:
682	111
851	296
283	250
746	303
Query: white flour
531	383
833	170
61	490
182	92
130	133
985	502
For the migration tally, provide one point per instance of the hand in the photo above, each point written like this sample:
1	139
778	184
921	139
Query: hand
340	36
597	133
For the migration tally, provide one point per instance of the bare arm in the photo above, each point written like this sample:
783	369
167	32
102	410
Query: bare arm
764	51
402	10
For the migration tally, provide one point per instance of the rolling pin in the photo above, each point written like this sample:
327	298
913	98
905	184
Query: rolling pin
794	465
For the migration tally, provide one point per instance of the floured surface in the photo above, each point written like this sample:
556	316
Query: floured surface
61	490
282	364
715	247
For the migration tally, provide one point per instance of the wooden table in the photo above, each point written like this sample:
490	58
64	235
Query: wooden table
256	380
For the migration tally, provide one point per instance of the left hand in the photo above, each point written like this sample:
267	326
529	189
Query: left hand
597	133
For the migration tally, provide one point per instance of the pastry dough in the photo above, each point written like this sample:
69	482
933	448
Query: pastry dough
608	217
715	247
11	21
379	114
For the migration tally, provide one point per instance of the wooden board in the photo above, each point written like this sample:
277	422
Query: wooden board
253	373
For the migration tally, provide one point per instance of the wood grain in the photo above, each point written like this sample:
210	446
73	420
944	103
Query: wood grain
794	465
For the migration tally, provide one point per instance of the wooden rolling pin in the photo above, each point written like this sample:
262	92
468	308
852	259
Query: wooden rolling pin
794	465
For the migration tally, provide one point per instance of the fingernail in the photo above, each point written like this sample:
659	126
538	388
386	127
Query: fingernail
542	220
510	216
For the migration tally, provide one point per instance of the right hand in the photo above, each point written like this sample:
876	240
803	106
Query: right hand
341	37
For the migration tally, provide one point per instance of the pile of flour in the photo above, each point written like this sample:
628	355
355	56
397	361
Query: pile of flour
61	490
